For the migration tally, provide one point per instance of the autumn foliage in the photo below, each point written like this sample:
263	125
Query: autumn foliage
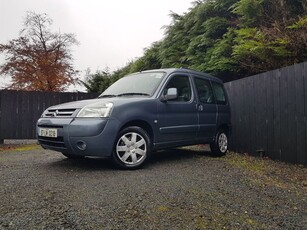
39	60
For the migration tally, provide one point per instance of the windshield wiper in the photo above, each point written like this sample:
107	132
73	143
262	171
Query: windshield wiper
132	94
107	95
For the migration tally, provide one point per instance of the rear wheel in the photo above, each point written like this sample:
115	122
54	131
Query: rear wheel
220	145
132	148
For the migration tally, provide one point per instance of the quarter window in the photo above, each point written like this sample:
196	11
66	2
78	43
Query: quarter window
219	93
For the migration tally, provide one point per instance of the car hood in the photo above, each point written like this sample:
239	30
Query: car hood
81	104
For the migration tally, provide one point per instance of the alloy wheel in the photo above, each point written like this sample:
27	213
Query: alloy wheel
131	148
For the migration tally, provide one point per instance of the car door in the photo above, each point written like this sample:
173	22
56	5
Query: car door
223	109
207	109
177	118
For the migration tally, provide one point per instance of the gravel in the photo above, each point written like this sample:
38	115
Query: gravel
177	189
19	142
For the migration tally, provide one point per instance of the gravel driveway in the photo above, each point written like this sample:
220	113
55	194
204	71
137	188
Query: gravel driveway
178	189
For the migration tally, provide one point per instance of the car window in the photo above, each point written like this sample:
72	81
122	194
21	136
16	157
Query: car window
204	91
219	93
135	84
183	86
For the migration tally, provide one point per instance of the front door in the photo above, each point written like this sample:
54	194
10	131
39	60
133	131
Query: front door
177	118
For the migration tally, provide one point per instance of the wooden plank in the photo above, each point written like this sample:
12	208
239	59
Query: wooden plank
305	99
237	118
291	153
247	118
259	112
5	111
26	123
230	93
284	129
246	115
234	117
33	98
21	113
270	113
300	114
249	113
29	115
11	101
263	133
276	154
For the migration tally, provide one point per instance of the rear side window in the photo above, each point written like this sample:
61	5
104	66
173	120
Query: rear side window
219	92
204	91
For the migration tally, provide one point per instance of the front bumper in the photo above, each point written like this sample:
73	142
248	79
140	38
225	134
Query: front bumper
98	135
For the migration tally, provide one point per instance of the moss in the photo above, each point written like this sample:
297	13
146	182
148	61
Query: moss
245	162
162	208
27	148
266	172
19	148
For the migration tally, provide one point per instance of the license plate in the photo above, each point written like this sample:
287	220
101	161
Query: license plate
48	132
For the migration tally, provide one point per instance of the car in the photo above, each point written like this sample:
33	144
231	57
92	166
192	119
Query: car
139	114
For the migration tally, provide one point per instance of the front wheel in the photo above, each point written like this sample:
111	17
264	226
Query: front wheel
132	148
220	145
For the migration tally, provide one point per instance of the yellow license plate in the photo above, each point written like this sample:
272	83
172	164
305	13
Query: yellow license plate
48	132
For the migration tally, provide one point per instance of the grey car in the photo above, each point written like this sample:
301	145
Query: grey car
139	114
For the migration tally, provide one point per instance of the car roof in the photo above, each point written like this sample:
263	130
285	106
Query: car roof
184	70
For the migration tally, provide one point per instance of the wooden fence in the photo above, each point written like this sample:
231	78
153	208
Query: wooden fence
20	110
269	114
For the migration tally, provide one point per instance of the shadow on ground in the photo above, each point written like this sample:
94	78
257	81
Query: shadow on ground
157	158
177	154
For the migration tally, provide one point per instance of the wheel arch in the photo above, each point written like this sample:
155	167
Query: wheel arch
142	124
225	128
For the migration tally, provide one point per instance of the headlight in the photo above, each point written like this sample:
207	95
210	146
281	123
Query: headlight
98	109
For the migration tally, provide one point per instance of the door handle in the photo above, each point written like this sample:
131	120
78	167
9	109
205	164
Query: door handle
200	108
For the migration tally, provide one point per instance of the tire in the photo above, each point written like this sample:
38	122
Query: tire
132	148
71	156
220	145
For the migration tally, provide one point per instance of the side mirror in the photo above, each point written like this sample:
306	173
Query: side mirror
170	95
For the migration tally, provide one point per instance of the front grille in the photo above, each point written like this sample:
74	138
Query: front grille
59	113
50	126
53	142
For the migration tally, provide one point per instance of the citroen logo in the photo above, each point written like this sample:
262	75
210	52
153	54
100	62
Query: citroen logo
54	114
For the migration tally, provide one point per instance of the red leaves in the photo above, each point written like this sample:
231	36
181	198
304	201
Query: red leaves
39	60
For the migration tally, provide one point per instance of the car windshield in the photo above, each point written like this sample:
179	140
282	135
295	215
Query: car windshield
140	84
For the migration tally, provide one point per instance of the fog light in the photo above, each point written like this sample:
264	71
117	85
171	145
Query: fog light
81	145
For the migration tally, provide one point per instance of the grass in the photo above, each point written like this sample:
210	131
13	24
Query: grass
246	162
19	148
264	171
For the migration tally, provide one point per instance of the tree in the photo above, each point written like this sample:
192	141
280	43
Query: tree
39	59
272	34
97	82
229	39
